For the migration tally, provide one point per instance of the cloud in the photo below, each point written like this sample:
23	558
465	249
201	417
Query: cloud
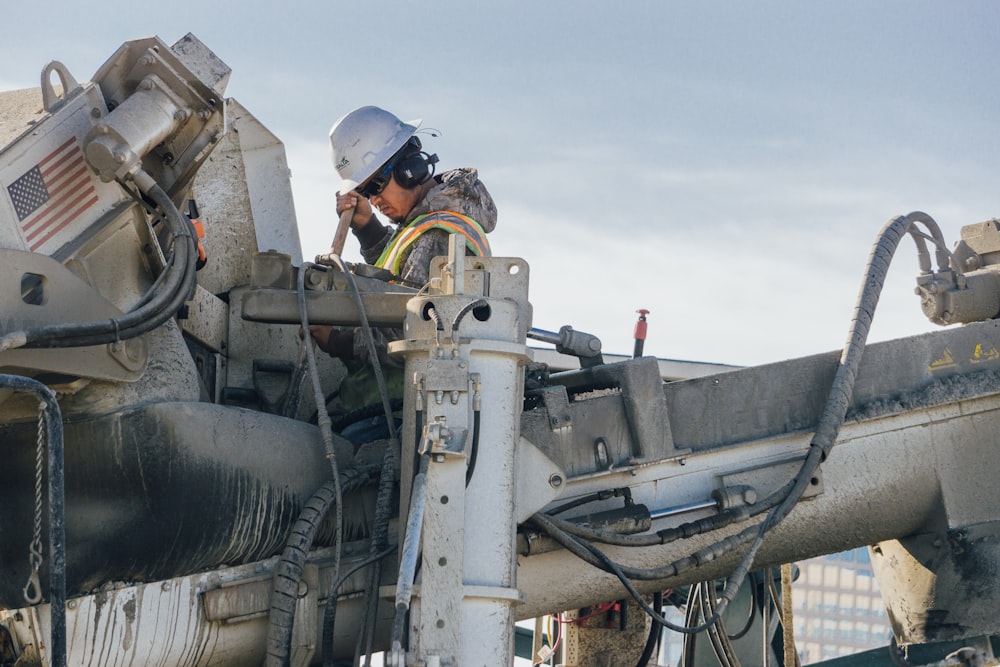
725	166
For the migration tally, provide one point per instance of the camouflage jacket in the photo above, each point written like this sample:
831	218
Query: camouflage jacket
458	190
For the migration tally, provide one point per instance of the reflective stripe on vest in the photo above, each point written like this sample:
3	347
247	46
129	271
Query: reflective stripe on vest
449	221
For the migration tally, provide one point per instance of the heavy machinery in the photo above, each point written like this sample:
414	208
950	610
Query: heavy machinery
174	492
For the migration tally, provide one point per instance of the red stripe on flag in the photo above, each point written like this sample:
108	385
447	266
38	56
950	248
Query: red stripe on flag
43	217
71	192
50	156
87	204
60	209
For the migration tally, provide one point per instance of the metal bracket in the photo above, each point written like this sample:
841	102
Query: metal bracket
556	402
440	439
446	377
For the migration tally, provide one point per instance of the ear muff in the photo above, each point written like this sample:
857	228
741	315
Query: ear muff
414	166
411	170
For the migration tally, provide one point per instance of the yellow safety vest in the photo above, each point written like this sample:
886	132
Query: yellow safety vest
451	222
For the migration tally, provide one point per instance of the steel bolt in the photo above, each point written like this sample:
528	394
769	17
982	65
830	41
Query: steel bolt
555	480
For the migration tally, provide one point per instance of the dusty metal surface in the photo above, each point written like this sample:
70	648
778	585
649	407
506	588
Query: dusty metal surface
245	201
139	482
915	452
210	618
789	396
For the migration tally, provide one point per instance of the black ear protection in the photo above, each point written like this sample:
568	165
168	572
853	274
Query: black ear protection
413	166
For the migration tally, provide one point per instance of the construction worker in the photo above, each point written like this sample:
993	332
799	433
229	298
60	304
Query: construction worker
383	166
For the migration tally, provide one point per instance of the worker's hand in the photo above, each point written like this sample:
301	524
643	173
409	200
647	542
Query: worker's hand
362	208
321	334
335	341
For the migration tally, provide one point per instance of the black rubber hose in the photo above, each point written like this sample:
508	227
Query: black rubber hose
174	290
383	506
599	559
655	629
474	452
752	616
330	615
288	569
839	398
52	418
578	502
365	412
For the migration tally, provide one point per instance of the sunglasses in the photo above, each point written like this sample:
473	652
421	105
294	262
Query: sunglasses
376	184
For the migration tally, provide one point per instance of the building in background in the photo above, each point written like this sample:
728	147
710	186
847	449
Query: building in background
837	610
837	606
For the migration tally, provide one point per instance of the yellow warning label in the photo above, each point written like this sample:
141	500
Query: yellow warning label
944	361
981	354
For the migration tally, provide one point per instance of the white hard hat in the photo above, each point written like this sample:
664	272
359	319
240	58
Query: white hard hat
364	140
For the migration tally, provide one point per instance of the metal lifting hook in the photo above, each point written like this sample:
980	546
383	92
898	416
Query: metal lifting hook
33	589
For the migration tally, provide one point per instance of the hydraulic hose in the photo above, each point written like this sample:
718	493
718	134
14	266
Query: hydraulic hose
410	554
842	389
752	614
383	504
717	633
283	599
52	420
288	569
330	615
654	633
779	503
168	298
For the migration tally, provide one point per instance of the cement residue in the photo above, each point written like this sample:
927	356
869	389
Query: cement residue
944	390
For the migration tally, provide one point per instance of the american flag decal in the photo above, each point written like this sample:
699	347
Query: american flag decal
52	194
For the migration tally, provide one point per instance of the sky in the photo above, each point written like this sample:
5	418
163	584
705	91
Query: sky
725	165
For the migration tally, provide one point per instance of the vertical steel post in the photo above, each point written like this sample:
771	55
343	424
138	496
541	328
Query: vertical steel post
464	364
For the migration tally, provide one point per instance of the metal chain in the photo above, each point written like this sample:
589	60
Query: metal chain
33	589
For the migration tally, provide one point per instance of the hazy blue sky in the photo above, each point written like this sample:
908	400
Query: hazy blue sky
725	165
